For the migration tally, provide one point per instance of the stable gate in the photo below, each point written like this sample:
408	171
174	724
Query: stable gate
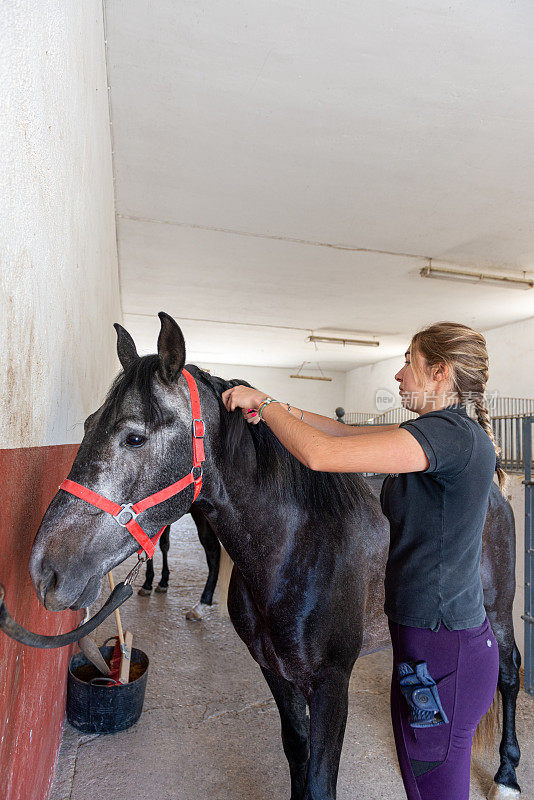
528	616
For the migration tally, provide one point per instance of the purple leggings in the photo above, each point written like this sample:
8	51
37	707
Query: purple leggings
435	762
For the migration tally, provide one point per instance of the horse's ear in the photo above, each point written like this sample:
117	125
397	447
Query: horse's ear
171	348
125	346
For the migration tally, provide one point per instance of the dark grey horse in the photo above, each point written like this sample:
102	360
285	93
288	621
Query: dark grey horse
306	593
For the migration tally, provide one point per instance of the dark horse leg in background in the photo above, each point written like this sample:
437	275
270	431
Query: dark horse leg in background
498	579
212	548
146	588
509	663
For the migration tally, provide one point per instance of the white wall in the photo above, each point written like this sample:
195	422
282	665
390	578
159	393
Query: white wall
59	294
321	397
361	385
511	353
59	278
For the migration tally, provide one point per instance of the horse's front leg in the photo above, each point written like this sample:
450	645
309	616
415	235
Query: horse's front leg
328	718
295	729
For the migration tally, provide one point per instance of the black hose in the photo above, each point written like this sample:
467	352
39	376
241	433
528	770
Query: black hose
120	593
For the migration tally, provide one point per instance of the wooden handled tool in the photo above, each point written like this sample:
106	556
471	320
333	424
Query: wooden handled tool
125	641
124	674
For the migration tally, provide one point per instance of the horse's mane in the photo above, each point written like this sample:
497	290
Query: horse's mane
323	494
327	495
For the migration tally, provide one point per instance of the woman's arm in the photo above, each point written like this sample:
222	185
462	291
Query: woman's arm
377	451
335	428
381	451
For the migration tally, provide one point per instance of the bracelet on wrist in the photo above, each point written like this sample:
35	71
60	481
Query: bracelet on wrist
269	400
265	403
301	411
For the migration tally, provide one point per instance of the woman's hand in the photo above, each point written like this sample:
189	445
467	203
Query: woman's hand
246	398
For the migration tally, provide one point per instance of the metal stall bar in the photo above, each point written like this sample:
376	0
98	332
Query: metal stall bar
528	616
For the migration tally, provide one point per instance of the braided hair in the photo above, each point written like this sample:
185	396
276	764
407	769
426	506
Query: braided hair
463	350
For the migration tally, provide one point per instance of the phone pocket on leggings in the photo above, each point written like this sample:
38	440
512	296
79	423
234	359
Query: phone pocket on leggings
422	694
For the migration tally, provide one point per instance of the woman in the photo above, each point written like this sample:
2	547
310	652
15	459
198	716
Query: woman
441	466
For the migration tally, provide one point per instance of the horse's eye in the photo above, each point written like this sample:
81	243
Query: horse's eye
134	440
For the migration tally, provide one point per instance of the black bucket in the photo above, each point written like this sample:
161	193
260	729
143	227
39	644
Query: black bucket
94	708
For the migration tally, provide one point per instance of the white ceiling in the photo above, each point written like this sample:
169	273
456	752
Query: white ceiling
285	167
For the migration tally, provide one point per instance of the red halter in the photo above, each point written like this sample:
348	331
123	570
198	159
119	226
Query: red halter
127	513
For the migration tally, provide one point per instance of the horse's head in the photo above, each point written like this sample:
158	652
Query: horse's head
138	442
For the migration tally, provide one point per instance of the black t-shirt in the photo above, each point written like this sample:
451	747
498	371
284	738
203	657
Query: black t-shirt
436	519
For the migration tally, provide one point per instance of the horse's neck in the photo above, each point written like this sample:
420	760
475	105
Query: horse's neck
254	530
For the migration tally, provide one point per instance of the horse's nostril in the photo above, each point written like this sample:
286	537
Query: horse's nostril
47	583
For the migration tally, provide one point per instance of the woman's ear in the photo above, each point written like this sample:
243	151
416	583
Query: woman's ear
441	372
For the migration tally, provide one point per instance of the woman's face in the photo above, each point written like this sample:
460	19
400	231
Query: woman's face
417	398
412	395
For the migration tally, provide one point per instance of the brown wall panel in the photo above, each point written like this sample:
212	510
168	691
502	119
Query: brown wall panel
32	681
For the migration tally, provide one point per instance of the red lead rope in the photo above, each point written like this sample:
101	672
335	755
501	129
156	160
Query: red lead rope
126	513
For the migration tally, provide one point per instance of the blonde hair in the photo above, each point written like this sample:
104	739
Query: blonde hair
463	351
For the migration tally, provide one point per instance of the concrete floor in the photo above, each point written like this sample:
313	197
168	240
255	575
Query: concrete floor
210	728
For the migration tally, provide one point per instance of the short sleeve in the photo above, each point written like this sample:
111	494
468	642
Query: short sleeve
447	441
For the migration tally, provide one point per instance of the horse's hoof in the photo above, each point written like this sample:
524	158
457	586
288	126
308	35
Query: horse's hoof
499	792
196	614
144	592
161	589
